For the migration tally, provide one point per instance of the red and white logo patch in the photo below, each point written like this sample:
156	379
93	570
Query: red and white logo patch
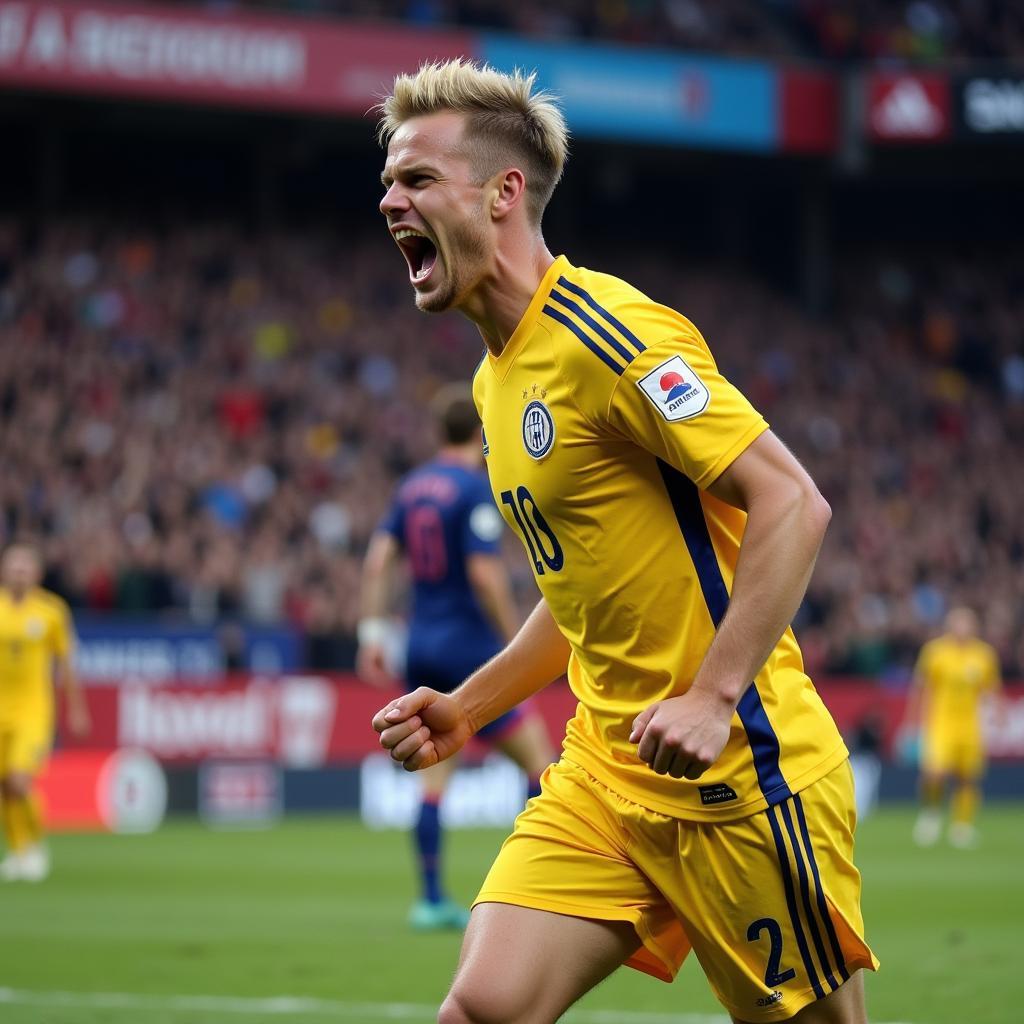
675	390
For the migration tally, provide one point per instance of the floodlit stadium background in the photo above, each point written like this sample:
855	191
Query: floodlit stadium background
211	374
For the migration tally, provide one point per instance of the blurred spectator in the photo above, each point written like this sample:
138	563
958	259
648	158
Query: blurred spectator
174	455
844	30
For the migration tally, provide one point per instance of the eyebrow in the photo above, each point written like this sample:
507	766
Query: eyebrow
386	179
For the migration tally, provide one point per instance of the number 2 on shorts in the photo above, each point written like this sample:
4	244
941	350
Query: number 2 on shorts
772	977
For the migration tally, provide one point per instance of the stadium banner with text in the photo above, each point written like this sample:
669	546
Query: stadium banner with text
907	107
205	56
612	92
990	106
310	721
111	651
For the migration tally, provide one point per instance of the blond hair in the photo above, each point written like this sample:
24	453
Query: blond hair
507	122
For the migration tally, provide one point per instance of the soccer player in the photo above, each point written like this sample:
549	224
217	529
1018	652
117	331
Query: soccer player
956	674
36	641
703	798
444	521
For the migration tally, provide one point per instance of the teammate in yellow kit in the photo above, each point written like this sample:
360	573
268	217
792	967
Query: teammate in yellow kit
955	675
36	639
703	799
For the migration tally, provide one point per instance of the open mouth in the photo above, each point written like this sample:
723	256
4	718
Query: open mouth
420	253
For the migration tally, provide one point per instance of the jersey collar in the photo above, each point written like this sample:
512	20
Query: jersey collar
524	329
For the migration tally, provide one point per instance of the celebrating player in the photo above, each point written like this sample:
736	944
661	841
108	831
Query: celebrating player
444	520
955	675
36	640
703	798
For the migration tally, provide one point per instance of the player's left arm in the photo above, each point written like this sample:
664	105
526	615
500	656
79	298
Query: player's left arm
66	676
786	522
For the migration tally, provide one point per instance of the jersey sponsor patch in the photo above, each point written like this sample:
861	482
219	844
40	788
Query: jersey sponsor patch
486	523
538	429
717	794
675	390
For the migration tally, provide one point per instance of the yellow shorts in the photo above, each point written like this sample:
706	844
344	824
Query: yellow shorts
25	745
770	903
947	752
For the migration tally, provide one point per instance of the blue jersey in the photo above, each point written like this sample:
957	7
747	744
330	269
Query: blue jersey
442	513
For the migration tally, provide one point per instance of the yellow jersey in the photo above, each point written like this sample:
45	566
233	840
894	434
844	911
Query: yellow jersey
955	677
33	631
604	420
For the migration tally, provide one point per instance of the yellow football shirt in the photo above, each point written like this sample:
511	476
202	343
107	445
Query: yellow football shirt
33	632
956	676
604	419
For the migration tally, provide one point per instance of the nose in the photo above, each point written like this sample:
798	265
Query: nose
395	200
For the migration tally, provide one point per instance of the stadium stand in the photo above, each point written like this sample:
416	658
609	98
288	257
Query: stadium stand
163	432
925	31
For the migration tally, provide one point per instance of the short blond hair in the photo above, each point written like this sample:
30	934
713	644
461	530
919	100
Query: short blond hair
508	123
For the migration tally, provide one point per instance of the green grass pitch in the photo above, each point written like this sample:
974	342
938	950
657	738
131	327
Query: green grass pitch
190	926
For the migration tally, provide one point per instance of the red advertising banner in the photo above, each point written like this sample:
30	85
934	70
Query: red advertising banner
201	56
809	110
908	107
310	721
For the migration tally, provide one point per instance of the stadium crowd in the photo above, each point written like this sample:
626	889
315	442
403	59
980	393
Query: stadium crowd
851	30
208	424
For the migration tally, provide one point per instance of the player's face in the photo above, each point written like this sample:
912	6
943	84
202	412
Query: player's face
434	205
20	569
962	623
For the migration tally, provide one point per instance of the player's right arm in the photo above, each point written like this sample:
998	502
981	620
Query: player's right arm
917	694
489	580
425	727
382	555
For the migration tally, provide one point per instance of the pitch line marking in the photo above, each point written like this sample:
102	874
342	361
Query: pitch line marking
277	1006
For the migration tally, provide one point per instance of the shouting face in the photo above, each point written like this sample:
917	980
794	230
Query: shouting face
434	206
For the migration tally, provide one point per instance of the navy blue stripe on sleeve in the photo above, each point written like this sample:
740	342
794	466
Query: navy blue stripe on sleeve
593	325
601	311
585	338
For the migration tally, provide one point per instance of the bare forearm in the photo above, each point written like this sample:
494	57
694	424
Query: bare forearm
780	545
536	656
375	588
491	586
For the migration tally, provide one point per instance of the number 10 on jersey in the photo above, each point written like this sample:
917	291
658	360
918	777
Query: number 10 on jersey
541	542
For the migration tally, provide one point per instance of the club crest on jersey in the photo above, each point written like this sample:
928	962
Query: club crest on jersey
675	390
538	430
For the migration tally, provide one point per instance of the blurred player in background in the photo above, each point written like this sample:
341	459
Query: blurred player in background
955	676
36	646
444	521
704	797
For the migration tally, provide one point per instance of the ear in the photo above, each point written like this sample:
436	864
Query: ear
507	192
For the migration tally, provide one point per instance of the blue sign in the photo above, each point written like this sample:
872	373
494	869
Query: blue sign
112	650
616	93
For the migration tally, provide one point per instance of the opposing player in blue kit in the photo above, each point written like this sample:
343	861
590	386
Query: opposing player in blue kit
443	520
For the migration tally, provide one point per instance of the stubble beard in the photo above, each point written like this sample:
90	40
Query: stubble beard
468	247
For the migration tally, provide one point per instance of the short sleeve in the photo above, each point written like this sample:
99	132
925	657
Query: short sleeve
62	630
482	523
994	680
673	401
923	666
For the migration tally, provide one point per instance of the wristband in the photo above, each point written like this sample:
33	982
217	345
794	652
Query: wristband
373	632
